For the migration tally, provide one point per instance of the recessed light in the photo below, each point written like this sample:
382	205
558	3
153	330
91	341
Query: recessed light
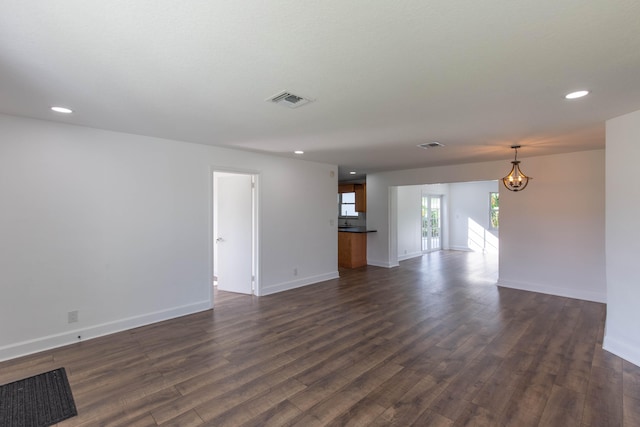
352	173
577	94
298	152
62	110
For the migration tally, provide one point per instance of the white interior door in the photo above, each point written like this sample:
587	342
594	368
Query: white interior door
234	239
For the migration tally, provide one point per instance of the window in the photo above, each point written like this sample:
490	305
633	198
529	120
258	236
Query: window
494	210
347	202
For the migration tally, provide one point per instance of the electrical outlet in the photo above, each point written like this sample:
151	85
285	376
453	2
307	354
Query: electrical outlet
295	271
331	223
72	316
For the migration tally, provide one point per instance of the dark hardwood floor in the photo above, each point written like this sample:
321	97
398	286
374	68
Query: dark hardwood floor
431	343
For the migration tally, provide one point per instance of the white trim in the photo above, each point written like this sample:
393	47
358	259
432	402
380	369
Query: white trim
286	286
622	349
424	193
461	248
409	256
256	218
555	290
58	340
383	264
392	214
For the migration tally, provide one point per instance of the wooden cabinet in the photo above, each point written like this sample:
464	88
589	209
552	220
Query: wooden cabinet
361	194
352	249
361	197
346	188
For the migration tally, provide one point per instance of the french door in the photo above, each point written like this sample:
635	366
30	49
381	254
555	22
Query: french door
431	223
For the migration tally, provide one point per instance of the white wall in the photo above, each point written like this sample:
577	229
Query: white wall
409	222
551	234
382	191
410	218
469	223
118	227
622	335
466	224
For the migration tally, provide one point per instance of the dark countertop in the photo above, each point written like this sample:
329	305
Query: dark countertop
355	230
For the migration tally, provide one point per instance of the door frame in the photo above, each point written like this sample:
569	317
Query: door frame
429	197
256	219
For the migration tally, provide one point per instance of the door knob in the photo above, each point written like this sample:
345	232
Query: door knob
219	239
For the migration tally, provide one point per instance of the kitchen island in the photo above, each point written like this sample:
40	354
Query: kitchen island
352	246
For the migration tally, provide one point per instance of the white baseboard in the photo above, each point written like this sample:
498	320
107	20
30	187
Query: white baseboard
384	264
555	290
628	352
69	337
460	248
409	256
305	281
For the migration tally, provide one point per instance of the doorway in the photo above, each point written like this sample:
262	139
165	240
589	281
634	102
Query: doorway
234	232
431	223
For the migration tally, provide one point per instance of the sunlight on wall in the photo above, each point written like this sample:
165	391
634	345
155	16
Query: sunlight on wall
480	239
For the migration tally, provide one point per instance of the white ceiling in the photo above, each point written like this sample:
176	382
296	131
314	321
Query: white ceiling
477	76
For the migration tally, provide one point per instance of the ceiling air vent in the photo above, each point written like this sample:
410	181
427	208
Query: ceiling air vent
289	99
433	144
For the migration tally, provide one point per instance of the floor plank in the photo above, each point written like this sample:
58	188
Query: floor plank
604	397
433	342
564	408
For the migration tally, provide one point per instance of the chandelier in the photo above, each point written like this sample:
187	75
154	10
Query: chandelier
516	180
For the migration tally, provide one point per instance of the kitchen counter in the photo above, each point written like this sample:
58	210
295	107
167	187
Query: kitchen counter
352	246
355	230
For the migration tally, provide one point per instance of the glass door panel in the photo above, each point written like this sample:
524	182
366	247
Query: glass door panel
431	223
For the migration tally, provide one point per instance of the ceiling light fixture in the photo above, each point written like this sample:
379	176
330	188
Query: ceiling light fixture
516	180
577	94
63	110
352	173
298	152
